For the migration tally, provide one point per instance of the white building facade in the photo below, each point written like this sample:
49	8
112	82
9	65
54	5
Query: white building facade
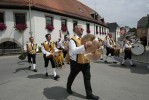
39	20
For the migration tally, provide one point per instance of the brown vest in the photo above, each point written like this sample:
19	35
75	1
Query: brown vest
49	47
31	49
81	59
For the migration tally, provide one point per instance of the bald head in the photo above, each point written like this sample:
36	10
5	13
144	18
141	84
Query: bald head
78	30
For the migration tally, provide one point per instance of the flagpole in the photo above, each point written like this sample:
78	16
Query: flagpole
30	18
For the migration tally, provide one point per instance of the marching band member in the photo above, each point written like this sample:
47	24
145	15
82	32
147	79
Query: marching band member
31	49
110	44
78	62
101	46
48	49
127	51
65	45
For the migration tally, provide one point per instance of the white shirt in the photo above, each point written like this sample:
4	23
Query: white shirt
127	45
73	50
59	44
108	43
46	52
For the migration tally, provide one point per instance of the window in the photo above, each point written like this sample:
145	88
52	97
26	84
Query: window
1	17
64	25
74	24
20	18
88	28
64	22
20	22
96	29
49	20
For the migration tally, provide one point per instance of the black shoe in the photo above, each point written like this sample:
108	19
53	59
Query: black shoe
115	62
93	97
69	91
122	64
35	70
106	61
133	65
46	74
101	59
29	67
56	77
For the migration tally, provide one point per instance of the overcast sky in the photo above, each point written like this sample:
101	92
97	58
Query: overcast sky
124	12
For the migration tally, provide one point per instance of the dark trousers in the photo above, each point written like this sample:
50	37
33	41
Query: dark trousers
110	51
31	58
75	68
46	60
127	54
64	52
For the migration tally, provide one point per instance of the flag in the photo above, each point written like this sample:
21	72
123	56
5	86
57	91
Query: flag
60	33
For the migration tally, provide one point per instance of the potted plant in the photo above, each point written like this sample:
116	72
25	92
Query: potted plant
64	28
49	27
88	31
2	26
21	26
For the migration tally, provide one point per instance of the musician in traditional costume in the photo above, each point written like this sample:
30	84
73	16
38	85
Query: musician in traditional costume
101	47
65	48
127	51
31	49
110	45
78	62
48	49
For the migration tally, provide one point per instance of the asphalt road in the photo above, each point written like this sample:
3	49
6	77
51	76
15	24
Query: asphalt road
109	81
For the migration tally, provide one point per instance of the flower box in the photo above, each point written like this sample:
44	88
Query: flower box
88	31
20	27
64	28
49	27
2	26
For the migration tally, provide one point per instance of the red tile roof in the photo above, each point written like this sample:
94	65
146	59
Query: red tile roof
67	7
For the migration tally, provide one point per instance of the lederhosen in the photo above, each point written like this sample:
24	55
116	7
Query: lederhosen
110	50
48	48
127	52
31	52
81	64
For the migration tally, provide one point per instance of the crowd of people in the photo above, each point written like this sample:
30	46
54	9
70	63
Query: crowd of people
72	51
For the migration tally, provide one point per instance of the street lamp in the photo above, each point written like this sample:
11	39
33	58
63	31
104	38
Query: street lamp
148	31
30	18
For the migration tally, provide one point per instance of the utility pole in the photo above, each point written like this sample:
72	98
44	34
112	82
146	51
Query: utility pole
30	19
148	31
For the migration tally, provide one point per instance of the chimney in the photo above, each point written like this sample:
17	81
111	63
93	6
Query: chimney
102	19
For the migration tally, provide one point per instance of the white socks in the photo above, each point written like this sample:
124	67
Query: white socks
34	66
46	70
130	62
113	59
29	64
123	61
54	71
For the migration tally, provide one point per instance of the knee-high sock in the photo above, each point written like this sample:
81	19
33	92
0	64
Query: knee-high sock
54	71
113	59
130	62
34	66
148	66
29	64
46	69
106	58
123	61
